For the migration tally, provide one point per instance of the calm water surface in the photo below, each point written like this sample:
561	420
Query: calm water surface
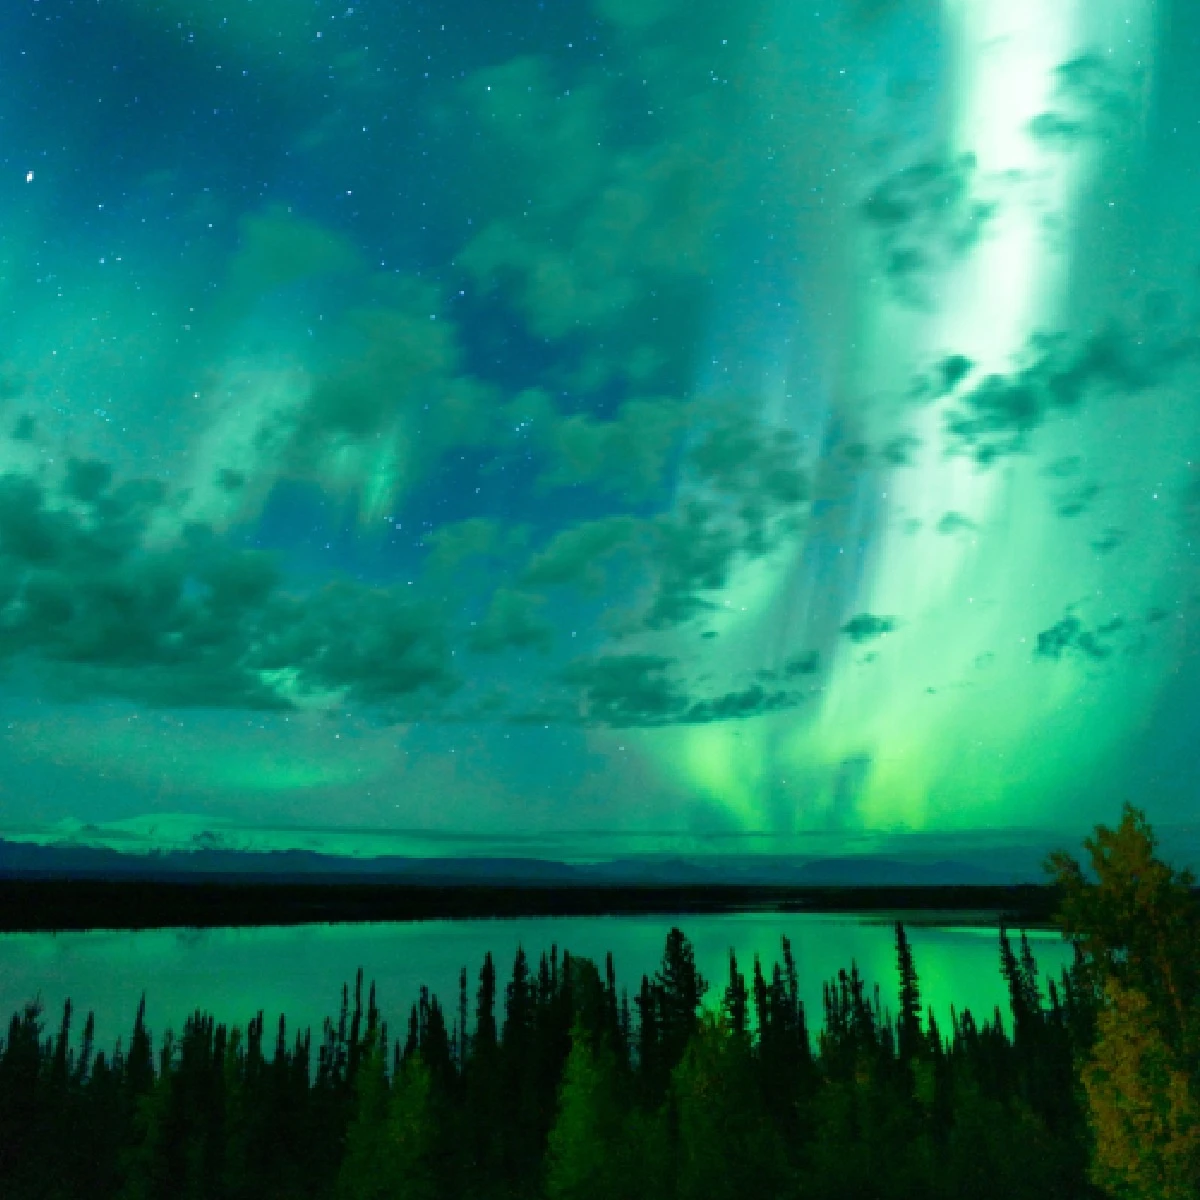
299	970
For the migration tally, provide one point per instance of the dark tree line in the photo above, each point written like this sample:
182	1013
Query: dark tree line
552	1083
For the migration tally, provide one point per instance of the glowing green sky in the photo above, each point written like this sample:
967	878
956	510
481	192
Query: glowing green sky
636	416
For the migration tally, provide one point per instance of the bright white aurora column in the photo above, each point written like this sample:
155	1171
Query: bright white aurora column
954	719
950	718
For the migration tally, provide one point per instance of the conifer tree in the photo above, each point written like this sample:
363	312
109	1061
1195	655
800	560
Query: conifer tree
460	1044
518	1007
736	997
585	1157
485	1008
366	1173
728	1146
909	1027
679	989
411	1133
649	1041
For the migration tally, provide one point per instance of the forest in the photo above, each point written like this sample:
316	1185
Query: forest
554	1082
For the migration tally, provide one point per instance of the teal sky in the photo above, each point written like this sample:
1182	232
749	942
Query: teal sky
503	419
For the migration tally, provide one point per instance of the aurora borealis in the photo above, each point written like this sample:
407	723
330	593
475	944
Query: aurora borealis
631	416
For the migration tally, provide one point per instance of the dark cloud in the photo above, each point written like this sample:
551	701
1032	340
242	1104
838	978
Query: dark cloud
626	454
108	615
864	627
632	690
399	397
744	457
230	480
747	487
1092	98
1053	129
87	479
511	623
601	227
752	701
194	622
1070	634
946	375
371	642
1076	501
1109	540
279	247
801	664
996	417
671	608
955	522
624	690
1065	467
477	537
924	215
576	555
692	552
898	451
755	493
748	460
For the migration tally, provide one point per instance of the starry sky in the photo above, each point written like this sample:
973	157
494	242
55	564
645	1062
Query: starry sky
640	416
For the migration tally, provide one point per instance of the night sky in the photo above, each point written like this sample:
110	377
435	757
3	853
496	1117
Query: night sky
645	416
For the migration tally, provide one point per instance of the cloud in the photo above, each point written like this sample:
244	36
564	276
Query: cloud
753	701
575	556
456	542
1109	540
692	552
637	690
743	489
1076	501
624	690
754	491
279	248
751	462
588	227
106	615
371	643
955	522
511	623
898	450
378	422
947	374
924	215
106	612
805	663
1069	634
626	454
603	202
1092	98
865	627
996	417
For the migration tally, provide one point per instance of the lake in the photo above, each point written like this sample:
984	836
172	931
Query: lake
299	970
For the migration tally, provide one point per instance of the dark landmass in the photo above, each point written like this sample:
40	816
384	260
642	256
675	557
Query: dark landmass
29	905
67	861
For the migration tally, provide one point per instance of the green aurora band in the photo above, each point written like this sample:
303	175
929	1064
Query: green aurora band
694	420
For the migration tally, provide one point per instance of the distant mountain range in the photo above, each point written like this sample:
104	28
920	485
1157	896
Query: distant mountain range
191	846
90	862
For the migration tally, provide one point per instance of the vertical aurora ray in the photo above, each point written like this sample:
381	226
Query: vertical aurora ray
951	718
